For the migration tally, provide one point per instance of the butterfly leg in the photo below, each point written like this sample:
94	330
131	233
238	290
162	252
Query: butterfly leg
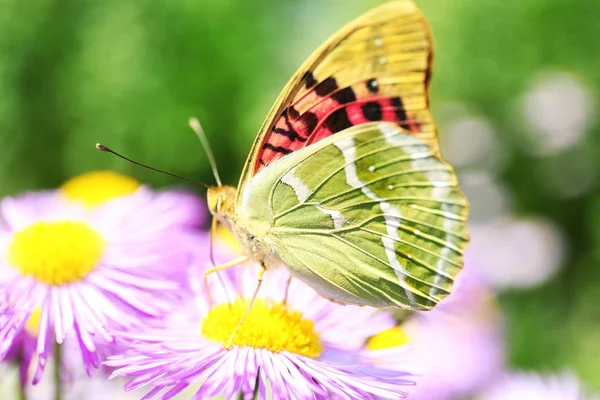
261	272
213	233
211	255
287	289
232	263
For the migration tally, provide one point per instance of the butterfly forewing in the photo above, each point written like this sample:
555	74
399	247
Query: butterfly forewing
368	216
374	69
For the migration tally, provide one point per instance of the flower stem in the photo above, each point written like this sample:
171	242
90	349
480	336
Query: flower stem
57	367
22	391
21	383
256	388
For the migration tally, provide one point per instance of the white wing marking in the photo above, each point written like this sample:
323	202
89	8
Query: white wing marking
303	192
338	219
442	189
392	214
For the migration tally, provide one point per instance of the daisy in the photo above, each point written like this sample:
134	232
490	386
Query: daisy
306	348
457	348
101	251
24	356
22	349
531	386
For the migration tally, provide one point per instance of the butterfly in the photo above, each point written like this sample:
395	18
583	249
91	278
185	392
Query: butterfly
345	185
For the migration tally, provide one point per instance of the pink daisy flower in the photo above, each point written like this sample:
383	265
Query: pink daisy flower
456	348
103	251
307	348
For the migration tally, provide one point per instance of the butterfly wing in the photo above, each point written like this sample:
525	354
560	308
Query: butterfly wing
370	216
374	69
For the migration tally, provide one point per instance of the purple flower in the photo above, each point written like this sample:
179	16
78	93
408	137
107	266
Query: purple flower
531	386
101	252
307	348
74	380
456	348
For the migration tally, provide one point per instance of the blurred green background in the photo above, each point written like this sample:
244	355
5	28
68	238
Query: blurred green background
515	91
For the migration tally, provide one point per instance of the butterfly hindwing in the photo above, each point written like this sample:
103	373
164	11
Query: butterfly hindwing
375	69
368	216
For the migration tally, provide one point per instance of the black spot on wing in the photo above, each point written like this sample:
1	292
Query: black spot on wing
326	87
400	112
289	132
290	135
338	121
372	111
344	96
277	149
293	113
309	80
310	121
372	85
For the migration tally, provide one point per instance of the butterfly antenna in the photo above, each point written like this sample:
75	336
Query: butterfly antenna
105	149
195	125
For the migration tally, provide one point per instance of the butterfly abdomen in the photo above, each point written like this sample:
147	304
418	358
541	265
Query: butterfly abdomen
253	237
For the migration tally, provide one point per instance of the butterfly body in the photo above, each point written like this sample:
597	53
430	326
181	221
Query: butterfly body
251	235
345	185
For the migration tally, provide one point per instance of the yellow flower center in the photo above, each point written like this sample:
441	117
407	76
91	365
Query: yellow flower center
268	326
32	326
56	253
224	236
387	339
94	188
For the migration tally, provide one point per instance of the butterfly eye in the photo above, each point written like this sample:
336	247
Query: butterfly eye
251	237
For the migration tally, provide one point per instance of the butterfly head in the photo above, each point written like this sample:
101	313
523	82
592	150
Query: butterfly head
221	200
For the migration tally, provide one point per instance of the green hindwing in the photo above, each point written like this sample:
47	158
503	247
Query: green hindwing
368	216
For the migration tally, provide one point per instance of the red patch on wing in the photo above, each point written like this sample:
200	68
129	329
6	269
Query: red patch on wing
325	110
